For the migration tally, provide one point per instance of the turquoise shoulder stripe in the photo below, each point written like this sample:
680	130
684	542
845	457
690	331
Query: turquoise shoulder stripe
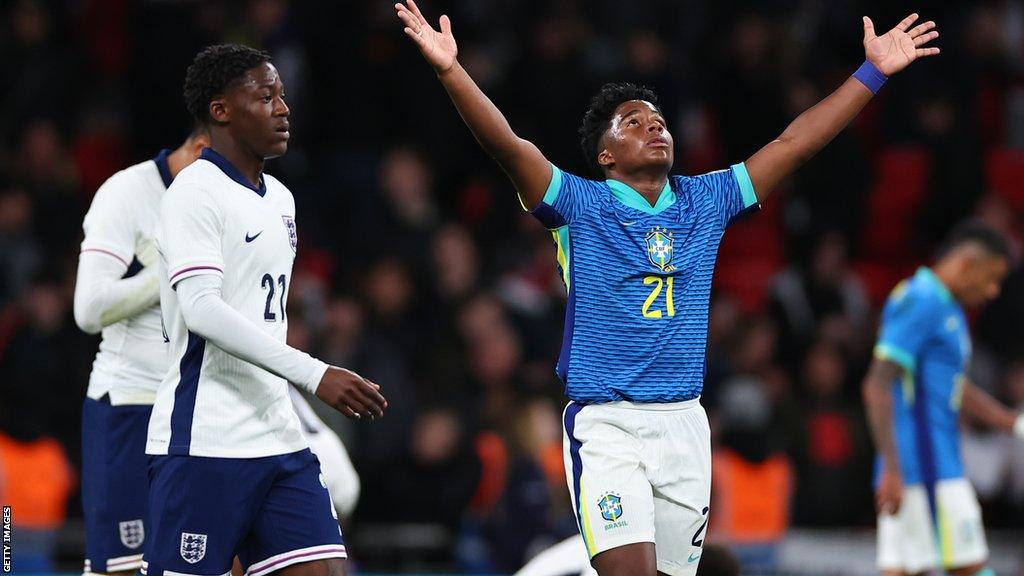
551	194
893	354
746	186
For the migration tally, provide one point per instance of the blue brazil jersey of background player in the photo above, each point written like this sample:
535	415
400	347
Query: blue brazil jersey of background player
639	281
924	330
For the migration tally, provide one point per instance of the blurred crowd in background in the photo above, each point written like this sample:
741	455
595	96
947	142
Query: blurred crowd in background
417	267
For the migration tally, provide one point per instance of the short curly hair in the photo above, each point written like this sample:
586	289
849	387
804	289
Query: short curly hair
598	117
215	69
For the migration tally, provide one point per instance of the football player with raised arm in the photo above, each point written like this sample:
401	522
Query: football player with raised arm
231	472
637	249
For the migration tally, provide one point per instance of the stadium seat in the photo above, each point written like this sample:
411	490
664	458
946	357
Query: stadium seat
1004	175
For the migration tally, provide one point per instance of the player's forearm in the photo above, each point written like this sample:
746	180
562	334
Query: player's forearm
878	406
525	165
488	124
805	136
103	298
979	405
207	315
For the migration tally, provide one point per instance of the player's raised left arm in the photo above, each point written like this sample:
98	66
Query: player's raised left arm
817	126
979	405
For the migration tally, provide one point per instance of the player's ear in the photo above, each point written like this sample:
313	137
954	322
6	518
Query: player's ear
605	157
219	111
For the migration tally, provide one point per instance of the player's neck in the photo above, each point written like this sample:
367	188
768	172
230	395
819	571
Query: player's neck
249	164
178	159
947	275
649	185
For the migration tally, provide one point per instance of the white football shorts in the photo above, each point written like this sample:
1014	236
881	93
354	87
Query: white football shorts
922	536
641	473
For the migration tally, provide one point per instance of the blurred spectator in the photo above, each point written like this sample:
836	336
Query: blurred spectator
821	299
753	477
430	481
36	477
831	454
20	256
40	69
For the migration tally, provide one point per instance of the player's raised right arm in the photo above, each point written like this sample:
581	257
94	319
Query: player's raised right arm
524	163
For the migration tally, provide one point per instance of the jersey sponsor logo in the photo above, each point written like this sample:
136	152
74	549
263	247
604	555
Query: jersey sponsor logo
193	547
293	236
610	506
253	237
133	533
952	324
660	248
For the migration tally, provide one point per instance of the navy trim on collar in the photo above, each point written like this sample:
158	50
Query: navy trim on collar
235	174
163	168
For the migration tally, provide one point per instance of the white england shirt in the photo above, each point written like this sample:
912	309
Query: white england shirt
211	403
132	358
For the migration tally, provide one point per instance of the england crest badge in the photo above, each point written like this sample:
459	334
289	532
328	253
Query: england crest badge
133	533
659	248
193	547
293	236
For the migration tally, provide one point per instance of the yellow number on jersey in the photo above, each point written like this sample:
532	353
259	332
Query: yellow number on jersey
658	282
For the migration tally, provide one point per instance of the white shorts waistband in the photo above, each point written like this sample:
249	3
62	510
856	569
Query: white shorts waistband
650	406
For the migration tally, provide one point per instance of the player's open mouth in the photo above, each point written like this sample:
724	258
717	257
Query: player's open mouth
283	130
658	143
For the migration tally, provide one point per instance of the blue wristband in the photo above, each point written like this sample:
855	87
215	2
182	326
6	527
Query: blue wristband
870	76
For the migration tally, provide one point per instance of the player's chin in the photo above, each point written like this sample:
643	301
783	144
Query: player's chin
661	157
276	149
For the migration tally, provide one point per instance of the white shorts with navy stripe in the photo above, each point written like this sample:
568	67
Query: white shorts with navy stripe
641	473
937	527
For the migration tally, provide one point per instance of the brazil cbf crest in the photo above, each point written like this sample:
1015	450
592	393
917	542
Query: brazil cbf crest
611	506
293	236
660	249
193	547
133	533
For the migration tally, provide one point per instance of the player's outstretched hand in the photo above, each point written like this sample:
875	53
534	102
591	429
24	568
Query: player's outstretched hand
889	492
351	394
897	48
438	47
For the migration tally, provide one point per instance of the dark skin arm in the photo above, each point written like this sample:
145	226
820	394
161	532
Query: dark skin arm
817	126
524	163
877	392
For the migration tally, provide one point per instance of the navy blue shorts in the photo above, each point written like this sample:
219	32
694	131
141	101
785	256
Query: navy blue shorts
271	512
115	485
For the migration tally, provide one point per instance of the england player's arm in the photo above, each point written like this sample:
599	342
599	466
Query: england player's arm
189	238
524	163
978	405
103	296
817	126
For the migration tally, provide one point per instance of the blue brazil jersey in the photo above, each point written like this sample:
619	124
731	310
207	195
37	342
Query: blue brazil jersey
639	281
925	332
